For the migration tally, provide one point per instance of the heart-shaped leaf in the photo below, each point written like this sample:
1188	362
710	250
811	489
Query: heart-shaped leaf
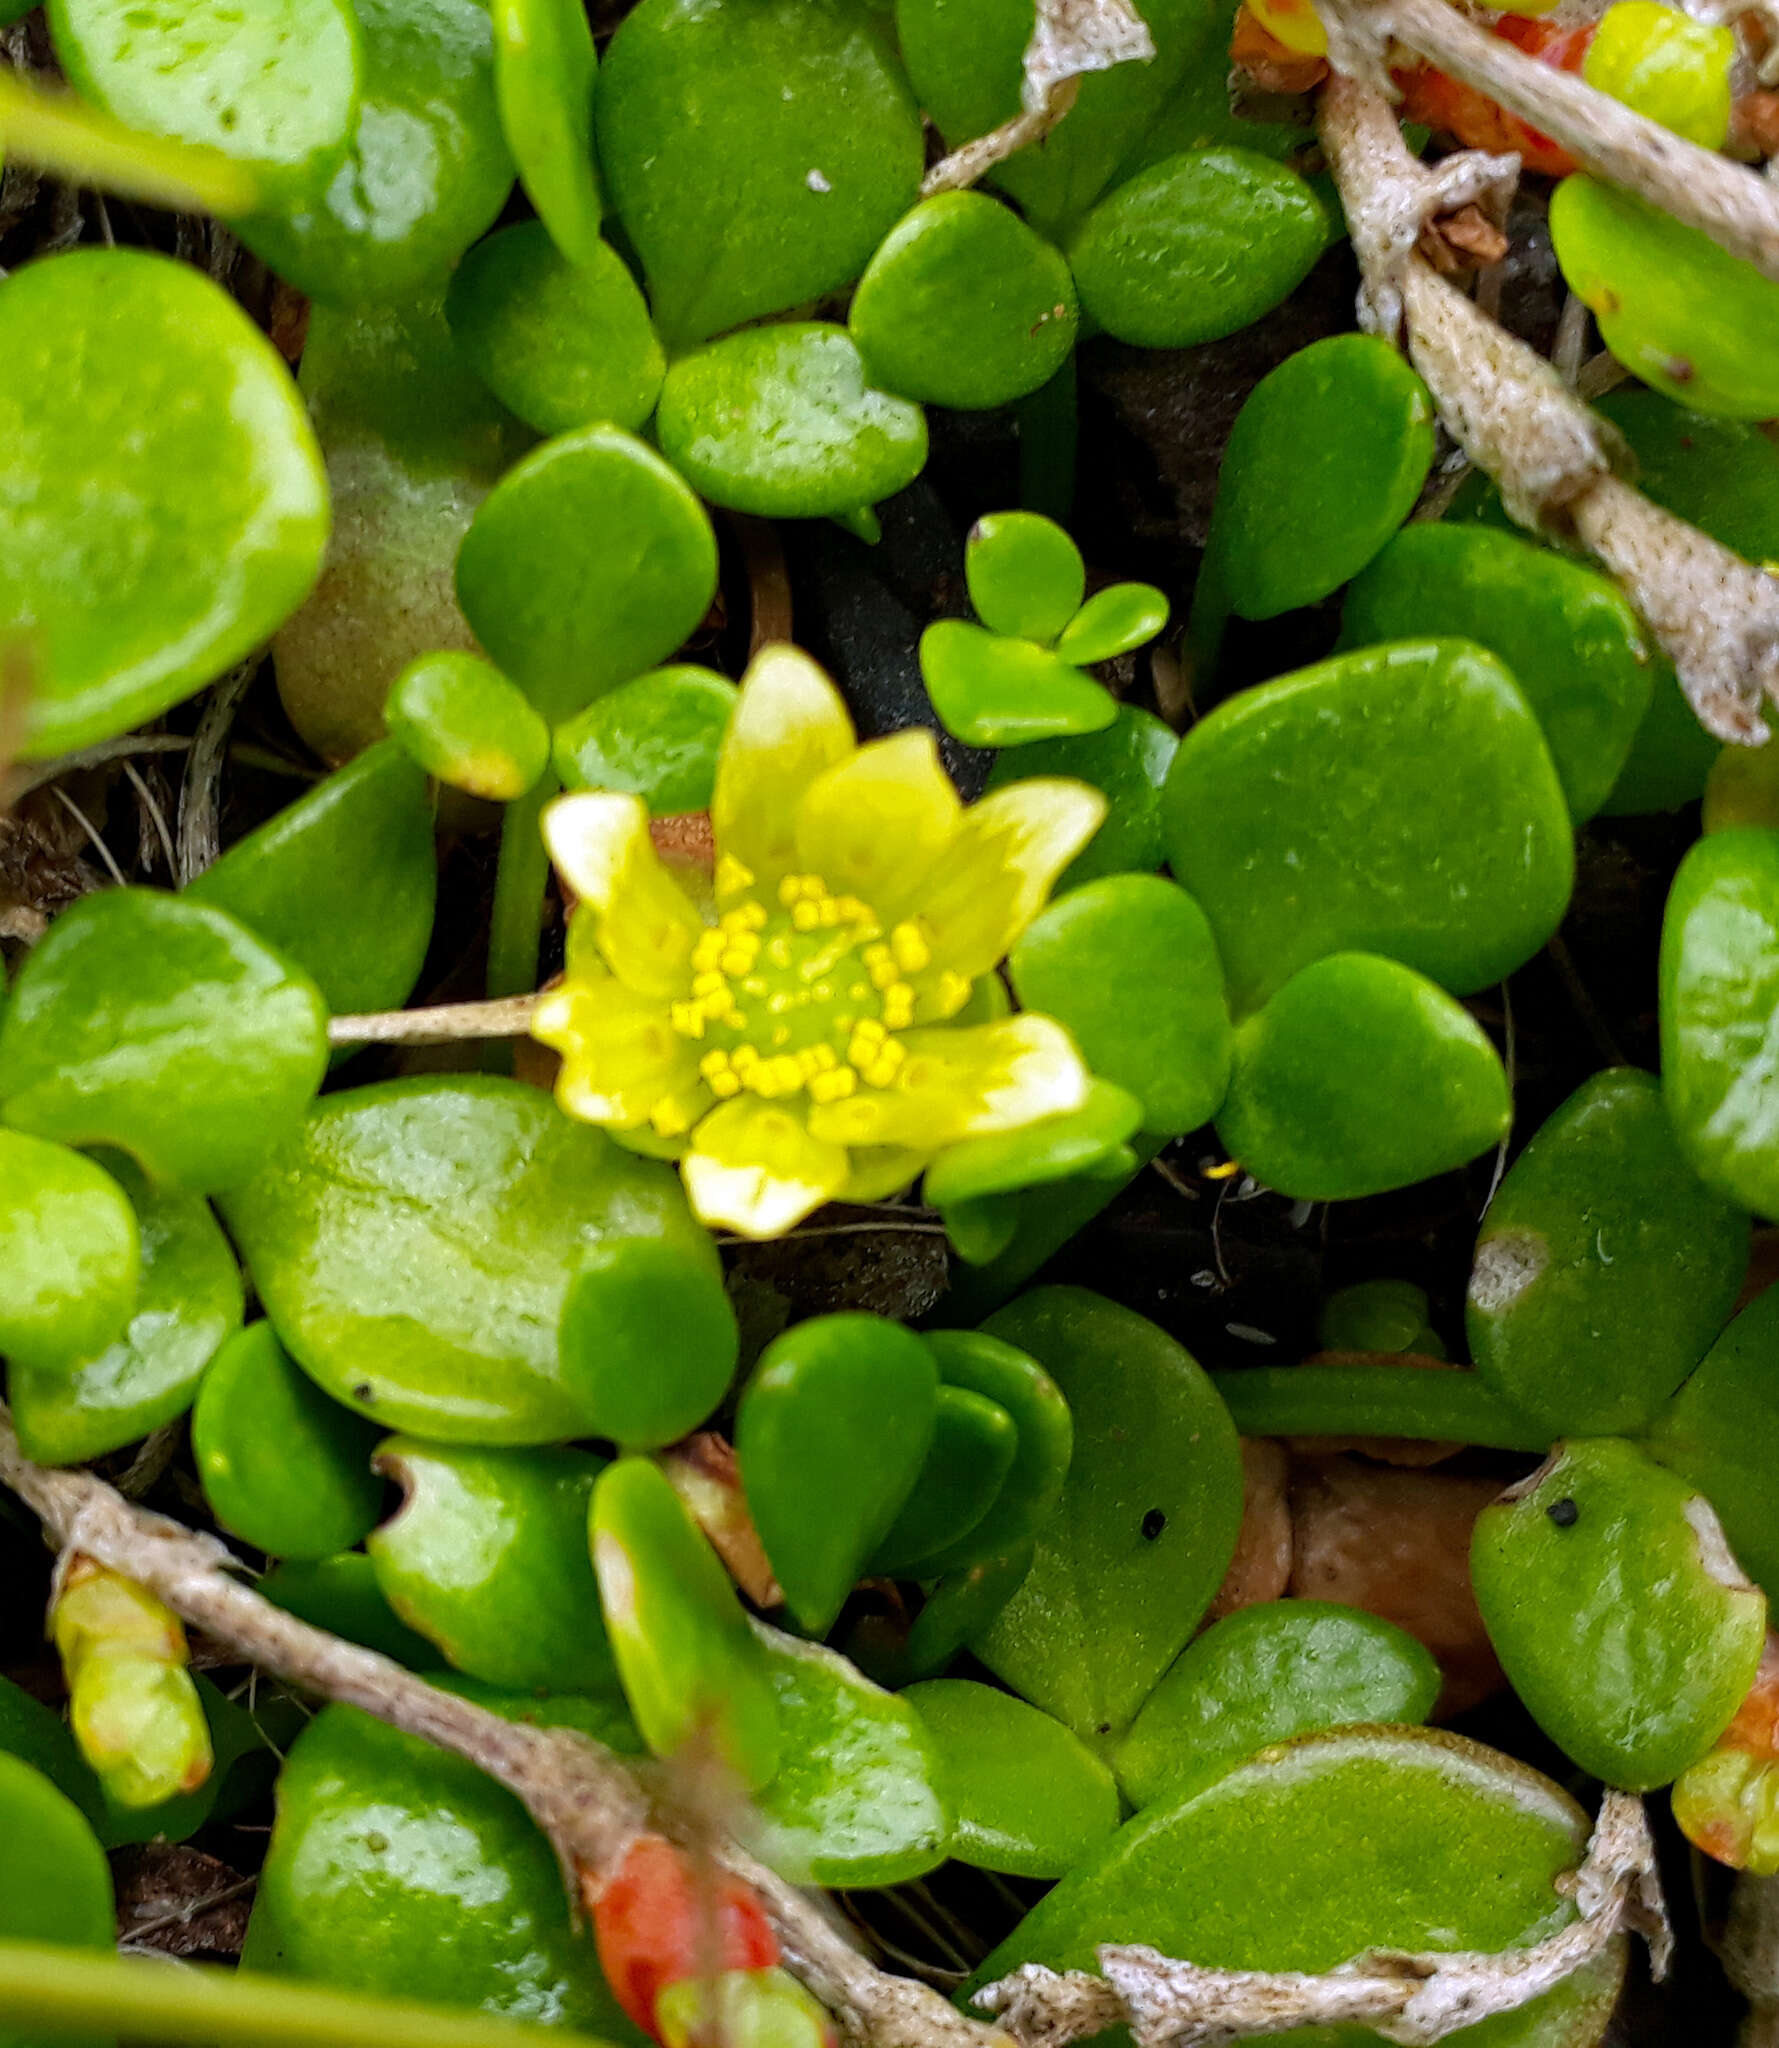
1026	1796
283	1467
756	154
832	1431
692	1666
657	736
964	305
560	343
137	562
188	1304
587	563
414	1246
166	1029
544	72
1196	246
343	881
1400	800
1267	1674
1604	1267
1146	1522
1025	575
1112	622
974	1444
1617	1611
996	692
782	421
487	1558
1080	961
1359	1076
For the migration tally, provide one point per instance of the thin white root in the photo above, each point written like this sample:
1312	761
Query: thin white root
1554	460
1411	1999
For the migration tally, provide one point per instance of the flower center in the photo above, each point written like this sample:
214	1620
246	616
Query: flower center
805	995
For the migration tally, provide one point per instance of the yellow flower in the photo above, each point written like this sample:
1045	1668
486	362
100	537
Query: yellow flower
795	1041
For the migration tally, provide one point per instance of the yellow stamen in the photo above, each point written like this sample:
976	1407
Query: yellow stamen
911	950
732	876
898	1006
833	1085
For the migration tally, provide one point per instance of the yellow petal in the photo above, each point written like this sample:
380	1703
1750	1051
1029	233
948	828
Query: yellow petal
646	928
879	1171
963	1084
788	726
754	1168
876	823
999	868
621	1057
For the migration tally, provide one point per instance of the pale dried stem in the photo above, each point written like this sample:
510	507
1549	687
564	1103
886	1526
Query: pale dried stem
1732	204
200	794
588	1801
443	1024
1411	1999
1554	460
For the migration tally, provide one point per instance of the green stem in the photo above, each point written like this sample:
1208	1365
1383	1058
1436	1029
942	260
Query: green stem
524	873
1375	1400
1048	1218
1048	430
67	1991
55	132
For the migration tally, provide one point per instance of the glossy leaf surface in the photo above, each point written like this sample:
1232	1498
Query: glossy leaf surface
70	1254
544	71
649	1341
656	736
973	1447
1127	762
996	692
460	720
1025	574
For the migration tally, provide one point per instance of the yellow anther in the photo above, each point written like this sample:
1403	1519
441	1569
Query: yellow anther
687	1019
911	950
898	1006
853	911
834	1085
740	957
708	982
827	913
880	964
885	1067
743	1057
719	1004
669	1117
714	1063
732	876
806	915
708	951
734	1020
953	991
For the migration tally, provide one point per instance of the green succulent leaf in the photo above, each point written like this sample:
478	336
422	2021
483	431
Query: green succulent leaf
756	152
70	1254
1127	761
341	1595
657	736
1113	621
59	1888
1025	575
167	509
974	1444
544	74
460	719
995	692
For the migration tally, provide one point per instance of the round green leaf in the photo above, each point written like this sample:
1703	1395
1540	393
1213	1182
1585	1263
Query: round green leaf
56	1887
1028	1797
1127	762
692	1667
1146	1522
649	1341
1025	575
781	421
1604	1267
163	1028
544	70
1720	1432
426	168
560	343
832	1431
1617	1611
1722	475
70	1254
1112	622
1399	801
166	509
756	152
387	1850
1054	1148
657	737
1265	1674
1565	634
1336	1844
1196	247
189	1303
966	62
1359	1076
487	1558
464	723
587	563
1325	462
343	881
855	1801
1378	1315
995	692
1687	317
275	85
1719	987
283	1467
1017	1383
974	1443
1129	965
964	305
413	1249
341	1595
